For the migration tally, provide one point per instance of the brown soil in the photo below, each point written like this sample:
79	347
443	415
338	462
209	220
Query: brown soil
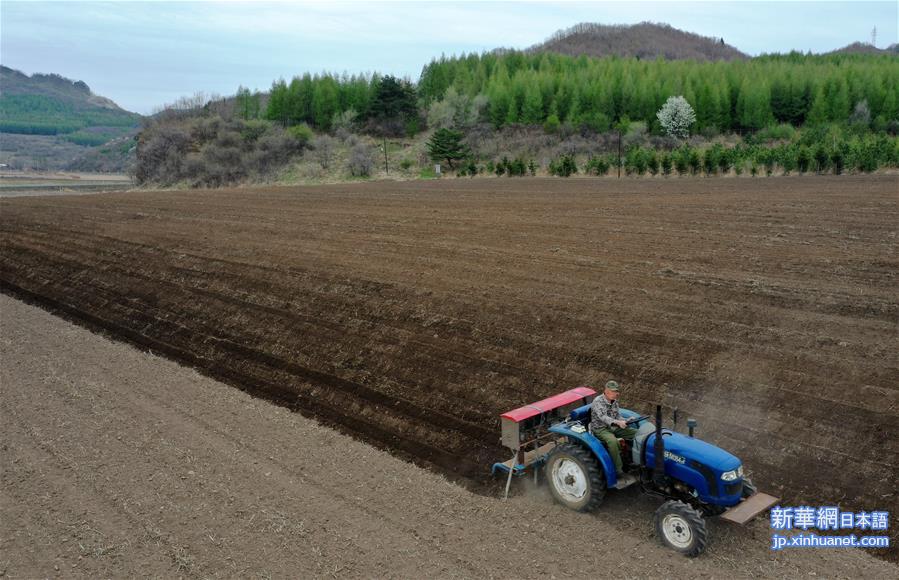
412	314
117	463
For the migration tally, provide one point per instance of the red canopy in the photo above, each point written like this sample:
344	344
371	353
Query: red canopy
548	404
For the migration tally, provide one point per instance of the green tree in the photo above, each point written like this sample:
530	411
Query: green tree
532	108
393	106
498	98
822	158
247	103
446	145
324	103
277	103
652	162
242	102
819	112
666	164
512	115
552	124
564	166
754	105
803	159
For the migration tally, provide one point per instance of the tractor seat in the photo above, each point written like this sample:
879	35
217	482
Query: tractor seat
582	414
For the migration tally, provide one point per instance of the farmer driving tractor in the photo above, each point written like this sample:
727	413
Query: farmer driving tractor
608	425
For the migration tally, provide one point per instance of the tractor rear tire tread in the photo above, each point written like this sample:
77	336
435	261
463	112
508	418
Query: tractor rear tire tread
592	469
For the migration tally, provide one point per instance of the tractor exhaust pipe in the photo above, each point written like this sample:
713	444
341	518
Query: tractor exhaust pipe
659	450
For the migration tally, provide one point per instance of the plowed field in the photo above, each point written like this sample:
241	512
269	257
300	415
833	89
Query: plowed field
116	463
411	314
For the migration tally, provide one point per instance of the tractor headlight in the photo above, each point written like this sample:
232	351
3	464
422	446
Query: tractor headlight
733	474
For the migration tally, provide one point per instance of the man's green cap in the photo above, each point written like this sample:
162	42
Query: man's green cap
612	385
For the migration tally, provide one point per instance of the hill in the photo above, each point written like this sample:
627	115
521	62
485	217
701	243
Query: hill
645	40
50	122
49	104
865	48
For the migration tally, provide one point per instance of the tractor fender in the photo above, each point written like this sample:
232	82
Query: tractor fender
593	444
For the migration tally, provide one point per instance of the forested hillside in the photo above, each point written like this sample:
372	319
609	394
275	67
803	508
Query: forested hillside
49	122
738	96
521	88
54	105
539	112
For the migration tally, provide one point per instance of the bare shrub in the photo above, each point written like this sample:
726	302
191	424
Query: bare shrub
224	161
272	151
361	161
205	128
209	151
184	107
323	150
194	167
160	153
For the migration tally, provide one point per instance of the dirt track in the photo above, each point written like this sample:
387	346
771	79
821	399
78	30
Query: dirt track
118	463
411	314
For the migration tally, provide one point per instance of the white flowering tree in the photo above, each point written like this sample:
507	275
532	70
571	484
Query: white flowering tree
676	117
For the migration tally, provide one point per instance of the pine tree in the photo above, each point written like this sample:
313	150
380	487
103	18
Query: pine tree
754	105
324	103
573	117
840	105
446	145
532	108
819	112
706	107
552	124
242	101
512	116
277	103
498	97
394	105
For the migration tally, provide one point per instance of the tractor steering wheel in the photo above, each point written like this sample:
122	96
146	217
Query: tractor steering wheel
633	420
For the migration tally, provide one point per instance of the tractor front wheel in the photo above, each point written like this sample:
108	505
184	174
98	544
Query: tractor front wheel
575	478
681	528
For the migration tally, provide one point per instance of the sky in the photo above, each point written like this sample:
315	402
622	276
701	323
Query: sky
145	54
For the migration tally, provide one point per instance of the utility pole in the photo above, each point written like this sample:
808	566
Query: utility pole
619	152
386	167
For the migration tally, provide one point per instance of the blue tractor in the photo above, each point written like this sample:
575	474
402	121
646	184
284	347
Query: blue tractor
696	479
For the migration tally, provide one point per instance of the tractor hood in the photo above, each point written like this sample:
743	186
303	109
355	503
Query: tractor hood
683	449
699	465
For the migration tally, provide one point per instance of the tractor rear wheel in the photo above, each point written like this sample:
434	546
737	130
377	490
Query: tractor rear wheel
575	478
681	528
